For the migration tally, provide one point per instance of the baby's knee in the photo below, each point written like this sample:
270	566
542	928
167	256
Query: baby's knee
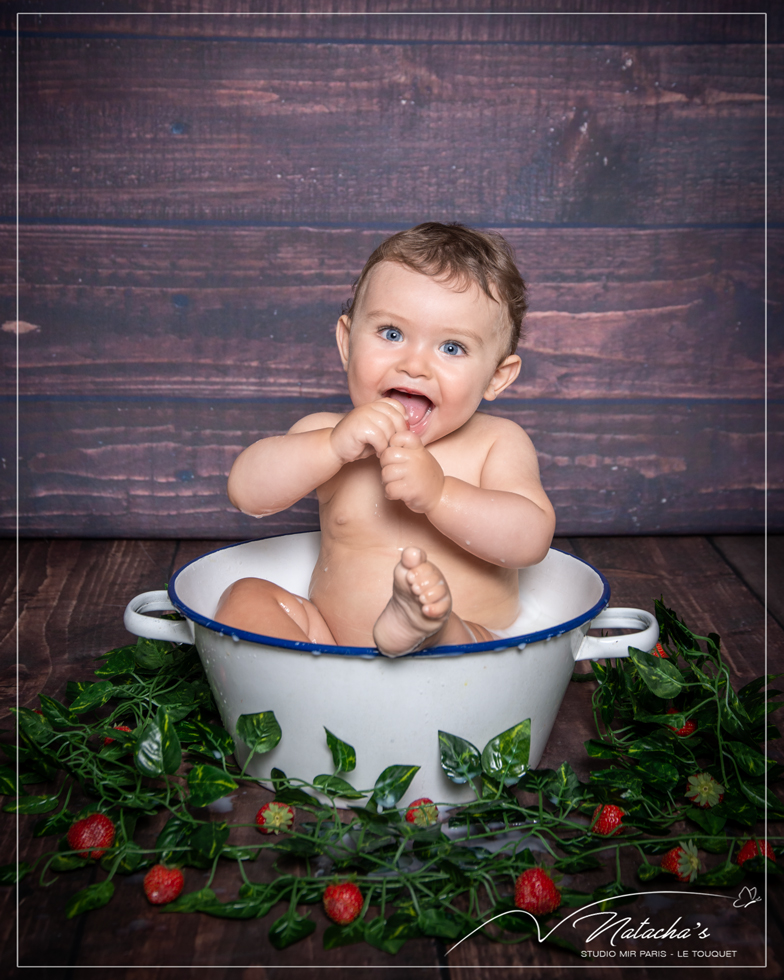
247	590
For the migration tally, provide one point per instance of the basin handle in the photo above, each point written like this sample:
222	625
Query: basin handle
610	647
178	631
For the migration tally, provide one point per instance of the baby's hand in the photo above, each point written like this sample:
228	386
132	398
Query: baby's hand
368	429
411	474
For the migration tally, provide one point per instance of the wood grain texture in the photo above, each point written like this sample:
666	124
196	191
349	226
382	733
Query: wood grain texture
310	132
70	585
112	466
251	312
500	20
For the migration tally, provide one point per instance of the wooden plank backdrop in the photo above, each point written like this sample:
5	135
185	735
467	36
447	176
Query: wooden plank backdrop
197	193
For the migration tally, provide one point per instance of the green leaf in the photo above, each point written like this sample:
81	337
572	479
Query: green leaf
92	897
120	661
437	922
294	797
750	759
601	750
56	712
67	862
260	731
335	935
151	654
564	787
290	929
33	725
7	781
660	676
56	824
192	901
93	696
209	839
173	842
214	742
207	784
711	819
657	771
32	804
460	760
631	786
723	876
344	757
392	784
391	935
11	873
158	748
335	786
132	858
505	757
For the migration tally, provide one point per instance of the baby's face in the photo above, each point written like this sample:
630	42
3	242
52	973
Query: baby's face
433	348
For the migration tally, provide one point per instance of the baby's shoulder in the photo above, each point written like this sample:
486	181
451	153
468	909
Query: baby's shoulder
319	420
492	429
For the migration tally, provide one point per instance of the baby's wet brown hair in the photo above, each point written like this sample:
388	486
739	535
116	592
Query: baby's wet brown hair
456	254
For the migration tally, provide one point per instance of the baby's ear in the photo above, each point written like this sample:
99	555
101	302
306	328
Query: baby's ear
505	374
342	334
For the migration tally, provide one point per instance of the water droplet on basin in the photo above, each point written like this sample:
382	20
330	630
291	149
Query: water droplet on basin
235	638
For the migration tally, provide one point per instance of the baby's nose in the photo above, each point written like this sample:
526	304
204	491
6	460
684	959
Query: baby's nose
415	363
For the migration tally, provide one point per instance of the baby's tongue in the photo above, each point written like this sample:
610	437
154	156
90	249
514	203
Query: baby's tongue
416	406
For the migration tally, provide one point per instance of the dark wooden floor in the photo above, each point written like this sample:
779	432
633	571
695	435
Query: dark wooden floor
71	596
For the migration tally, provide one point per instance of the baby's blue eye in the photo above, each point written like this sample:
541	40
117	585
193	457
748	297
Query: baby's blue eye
391	333
451	347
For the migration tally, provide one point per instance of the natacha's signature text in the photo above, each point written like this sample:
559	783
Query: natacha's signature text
621	928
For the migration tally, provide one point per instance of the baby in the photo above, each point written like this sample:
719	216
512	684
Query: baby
414	484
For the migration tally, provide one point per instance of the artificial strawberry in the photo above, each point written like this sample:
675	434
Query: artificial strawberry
752	848
689	728
682	861
91	836
274	817
422	812
535	892
606	820
703	790
659	651
343	902
162	884
117	728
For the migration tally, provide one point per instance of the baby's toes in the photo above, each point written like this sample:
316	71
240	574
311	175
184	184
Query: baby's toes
436	606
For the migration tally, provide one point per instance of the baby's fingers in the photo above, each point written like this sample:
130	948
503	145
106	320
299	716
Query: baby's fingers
406	440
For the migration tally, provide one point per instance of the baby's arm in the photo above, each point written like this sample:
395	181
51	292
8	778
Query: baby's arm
507	520
276	472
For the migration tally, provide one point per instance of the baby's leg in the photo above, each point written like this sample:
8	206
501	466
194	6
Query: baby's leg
420	611
258	606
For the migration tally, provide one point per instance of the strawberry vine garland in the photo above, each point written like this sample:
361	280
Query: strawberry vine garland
676	744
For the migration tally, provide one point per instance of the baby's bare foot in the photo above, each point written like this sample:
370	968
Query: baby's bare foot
420	605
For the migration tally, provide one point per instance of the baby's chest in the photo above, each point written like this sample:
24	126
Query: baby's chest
355	496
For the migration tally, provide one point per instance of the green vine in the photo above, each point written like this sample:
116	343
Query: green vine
660	718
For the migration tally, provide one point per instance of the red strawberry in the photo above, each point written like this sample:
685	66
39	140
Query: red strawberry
274	817
117	728
162	884
659	651
682	861
703	790
422	812
752	848
91	836
606	820
343	902
688	729
535	892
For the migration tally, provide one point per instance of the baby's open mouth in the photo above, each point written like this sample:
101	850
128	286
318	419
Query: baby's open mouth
417	407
